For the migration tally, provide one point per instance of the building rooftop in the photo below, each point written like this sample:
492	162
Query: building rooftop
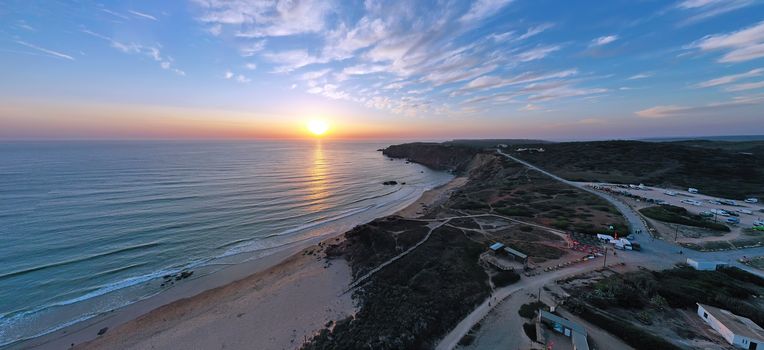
515	253
496	246
577	328
737	324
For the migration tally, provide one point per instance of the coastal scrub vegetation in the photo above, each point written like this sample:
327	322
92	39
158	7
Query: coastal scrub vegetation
679	215
508	188
628	304
414	301
418	298
723	169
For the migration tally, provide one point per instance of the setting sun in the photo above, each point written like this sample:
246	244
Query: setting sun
318	127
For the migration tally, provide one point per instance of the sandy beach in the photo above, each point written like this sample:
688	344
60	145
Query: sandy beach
276	302
432	198
275	309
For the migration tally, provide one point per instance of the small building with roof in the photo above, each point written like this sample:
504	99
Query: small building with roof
737	330
576	332
516	254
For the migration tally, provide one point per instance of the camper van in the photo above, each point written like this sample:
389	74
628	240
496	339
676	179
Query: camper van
622	244
604	238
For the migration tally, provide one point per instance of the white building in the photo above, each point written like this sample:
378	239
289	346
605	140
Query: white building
704	265
739	331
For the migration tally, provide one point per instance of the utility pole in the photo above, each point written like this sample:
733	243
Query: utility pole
676	233
605	262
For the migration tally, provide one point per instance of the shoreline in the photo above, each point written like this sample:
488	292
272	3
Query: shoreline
194	293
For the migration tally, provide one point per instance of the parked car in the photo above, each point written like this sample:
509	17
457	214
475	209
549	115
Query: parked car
745	211
751	200
733	220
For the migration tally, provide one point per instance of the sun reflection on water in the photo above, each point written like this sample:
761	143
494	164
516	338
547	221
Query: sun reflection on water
318	179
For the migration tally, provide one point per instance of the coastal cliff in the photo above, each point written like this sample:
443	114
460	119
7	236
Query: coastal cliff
436	156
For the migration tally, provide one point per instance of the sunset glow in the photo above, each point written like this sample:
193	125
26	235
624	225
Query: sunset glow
384	70
318	127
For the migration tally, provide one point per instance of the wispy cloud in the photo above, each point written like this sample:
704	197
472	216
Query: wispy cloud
44	50
257	19
537	53
640	76
742	45
701	10
604	40
143	15
731	78
533	31
115	14
711	108
481	9
531	107
239	78
250	49
151	51
746	86
291	60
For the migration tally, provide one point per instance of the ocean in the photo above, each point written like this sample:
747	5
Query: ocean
88	227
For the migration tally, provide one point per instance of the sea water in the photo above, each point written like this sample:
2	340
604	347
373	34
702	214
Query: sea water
88	227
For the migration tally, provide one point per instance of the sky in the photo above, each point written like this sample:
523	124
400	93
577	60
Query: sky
429	70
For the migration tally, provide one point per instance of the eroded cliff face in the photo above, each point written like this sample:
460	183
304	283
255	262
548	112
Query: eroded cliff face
434	155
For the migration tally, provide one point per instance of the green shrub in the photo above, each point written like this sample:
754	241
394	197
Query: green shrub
530	330
561	224
679	215
529	310
632	335
516	211
505	278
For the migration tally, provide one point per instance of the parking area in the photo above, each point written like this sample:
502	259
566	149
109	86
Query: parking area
718	209
740	216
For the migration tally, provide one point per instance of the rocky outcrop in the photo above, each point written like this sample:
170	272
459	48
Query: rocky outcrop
437	156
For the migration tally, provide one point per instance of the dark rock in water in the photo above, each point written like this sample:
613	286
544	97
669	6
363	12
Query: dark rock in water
184	275
380	150
390	183
103	330
403	183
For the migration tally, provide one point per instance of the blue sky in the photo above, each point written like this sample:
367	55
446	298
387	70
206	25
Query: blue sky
385	69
